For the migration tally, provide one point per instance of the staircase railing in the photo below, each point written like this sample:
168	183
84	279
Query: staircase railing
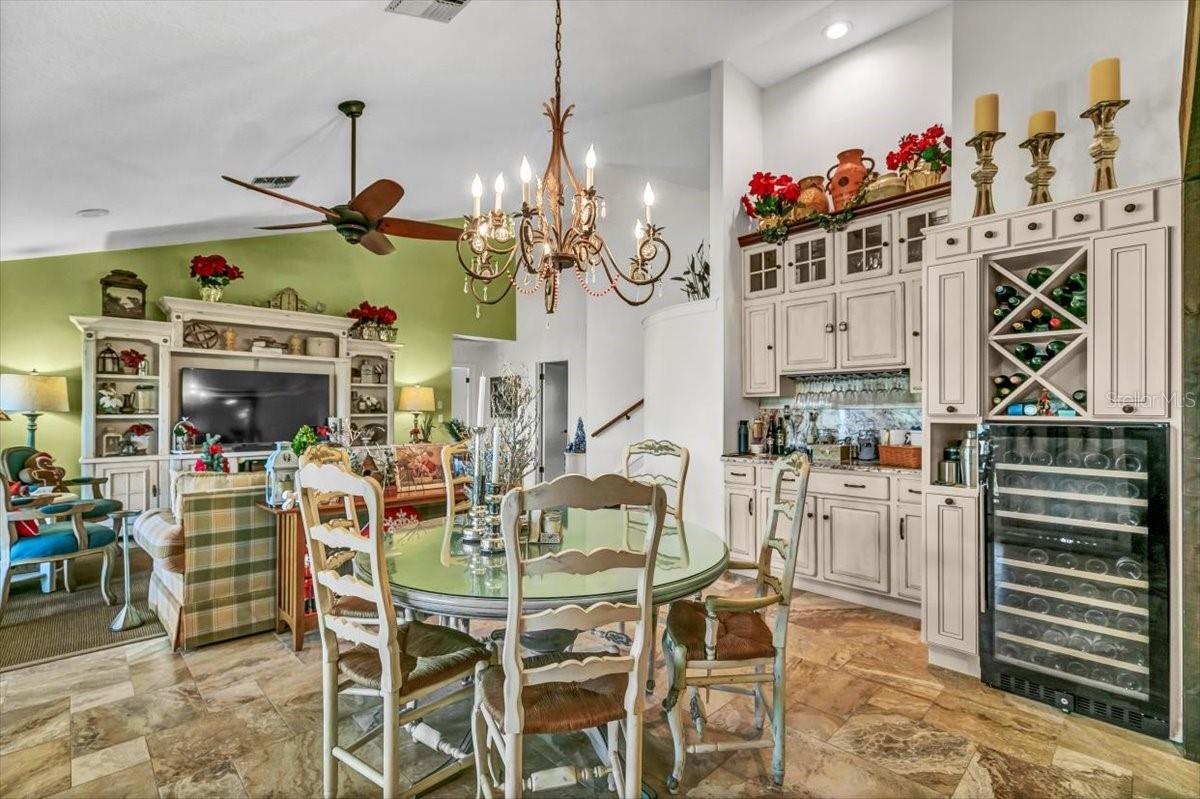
624	415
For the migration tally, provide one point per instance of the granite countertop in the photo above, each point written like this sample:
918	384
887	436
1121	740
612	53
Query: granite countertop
853	466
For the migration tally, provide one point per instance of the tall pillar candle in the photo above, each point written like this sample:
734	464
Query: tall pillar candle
495	476
482	400
1104	81
1042	122
987	113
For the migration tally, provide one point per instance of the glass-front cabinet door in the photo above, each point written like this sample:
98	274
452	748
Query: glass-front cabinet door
762	270
866	249
910	241
809	261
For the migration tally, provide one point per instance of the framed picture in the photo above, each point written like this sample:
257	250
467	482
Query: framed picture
110	444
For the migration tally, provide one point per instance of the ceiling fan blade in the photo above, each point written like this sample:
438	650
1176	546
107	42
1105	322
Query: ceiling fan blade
412	229
377	243
292	226
319	209
377	199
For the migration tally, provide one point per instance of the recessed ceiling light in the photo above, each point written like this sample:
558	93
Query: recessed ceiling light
91	213
836	30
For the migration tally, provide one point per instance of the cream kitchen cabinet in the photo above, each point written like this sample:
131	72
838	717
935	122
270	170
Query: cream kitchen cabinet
951	578
952	330
853	543
762	270
909	247
760	372
741	530
865	249
133	483
807	332
1130	322
908	551
871	326
913	316
809	261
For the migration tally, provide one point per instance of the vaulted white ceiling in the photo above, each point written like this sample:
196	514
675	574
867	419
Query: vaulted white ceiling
138	106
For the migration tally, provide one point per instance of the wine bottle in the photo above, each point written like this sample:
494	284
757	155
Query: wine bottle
1038	314
1016	379
1000	380
1080	396
1055	323
1037	361
1024	350
1078	281
1055	347
996	400
1078	306
1004	391
1020	326
1062	295
1003	292
1037	277
1016	299
999	312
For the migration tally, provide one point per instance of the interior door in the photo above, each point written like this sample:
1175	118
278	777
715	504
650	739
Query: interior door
808	333
555	425
871	327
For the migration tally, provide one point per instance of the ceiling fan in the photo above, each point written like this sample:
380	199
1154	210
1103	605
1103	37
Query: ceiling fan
362	220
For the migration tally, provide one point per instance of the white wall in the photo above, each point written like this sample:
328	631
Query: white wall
1036	55
867	97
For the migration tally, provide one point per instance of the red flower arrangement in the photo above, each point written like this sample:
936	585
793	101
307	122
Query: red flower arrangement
139	429
930	148
132	358
212	458
214	270
770	200
366	313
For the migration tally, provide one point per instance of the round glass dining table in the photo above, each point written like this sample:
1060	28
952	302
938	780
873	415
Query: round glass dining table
431	570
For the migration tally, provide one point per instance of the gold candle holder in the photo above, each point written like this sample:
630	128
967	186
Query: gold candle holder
1039	145
985	169
1104	143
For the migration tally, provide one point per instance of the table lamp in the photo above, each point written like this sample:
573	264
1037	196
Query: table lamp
417	400
33	395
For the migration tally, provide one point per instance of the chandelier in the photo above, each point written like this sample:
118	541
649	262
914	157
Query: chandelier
548	242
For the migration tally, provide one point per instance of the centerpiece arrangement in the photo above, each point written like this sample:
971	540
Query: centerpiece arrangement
921	158
373	322
133	440
213	273
133	362
771	201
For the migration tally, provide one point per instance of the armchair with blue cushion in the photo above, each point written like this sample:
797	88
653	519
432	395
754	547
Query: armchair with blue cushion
18	465
59	533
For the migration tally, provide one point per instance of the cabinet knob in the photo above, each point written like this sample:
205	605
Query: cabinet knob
843	326
1033	226
1079	217
1127	408
951	409
770	346
989	234
810	514
916	333
1130	208
901	239
825	516
885	244
952	241
829	327
790	263
949	500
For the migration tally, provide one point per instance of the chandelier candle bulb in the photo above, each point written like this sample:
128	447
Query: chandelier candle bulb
526	174
648	199
476	192
499	187
589	161
638	231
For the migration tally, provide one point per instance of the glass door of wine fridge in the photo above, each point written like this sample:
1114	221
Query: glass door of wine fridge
1077	532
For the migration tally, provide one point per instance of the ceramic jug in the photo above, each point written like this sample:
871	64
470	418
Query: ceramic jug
812	195
847	175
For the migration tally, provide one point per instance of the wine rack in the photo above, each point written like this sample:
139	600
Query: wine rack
1038	306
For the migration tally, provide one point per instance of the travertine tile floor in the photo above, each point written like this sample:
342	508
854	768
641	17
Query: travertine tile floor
867	717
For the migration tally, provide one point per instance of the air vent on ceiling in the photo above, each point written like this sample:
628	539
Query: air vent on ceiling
275	181
436	10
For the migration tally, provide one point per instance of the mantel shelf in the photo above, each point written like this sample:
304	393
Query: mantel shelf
277	356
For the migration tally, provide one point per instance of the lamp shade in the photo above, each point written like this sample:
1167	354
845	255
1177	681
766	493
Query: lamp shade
34	392
417	399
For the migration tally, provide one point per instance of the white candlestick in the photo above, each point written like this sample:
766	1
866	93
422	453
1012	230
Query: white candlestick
499	187
590	162
476	193
482	400
526	174
495	452
648	199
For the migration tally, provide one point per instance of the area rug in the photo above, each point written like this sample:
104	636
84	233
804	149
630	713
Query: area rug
40	627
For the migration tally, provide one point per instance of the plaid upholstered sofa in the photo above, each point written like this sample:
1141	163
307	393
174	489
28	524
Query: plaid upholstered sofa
214	558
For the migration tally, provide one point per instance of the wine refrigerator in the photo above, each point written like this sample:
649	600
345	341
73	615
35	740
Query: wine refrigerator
1076	521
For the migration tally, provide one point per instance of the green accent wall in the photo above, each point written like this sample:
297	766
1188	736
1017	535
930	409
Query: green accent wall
421	280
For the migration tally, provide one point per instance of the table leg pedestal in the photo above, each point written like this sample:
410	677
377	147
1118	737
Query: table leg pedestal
127	617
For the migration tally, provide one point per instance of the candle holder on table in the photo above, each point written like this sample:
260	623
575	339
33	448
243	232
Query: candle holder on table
1105	142
493	540
1039	145
477	516
985	169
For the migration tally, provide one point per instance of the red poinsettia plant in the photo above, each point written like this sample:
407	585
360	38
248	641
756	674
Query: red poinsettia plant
132	358
214	271
930	150
366	313
770	200
139	429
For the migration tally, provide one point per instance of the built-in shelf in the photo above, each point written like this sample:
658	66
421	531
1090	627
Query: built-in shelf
368	415
369	385
1073	624
116	417
1082	600
104	377
275	356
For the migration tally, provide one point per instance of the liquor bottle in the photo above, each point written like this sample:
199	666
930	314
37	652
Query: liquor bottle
1037	277
780	436
1025	351
771	438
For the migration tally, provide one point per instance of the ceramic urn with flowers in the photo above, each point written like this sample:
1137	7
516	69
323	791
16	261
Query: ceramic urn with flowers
922	158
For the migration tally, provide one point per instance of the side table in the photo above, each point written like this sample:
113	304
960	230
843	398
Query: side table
127	617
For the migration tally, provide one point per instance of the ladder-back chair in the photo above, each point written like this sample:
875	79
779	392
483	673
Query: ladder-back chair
728	635
450	453
400	663
568	692
660	449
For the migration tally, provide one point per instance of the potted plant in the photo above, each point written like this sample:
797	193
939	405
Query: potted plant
131	361
576	451
212	457
921	158
133	441
213	273
373	322
184	435
771	201
695	277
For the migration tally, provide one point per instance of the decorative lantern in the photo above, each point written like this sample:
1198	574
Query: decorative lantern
123	293
107	361
282	466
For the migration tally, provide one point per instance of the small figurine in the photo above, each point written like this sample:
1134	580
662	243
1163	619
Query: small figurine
1043	404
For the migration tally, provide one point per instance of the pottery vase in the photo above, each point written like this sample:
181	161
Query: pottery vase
211	293
889	184
847	176
812	195
921	178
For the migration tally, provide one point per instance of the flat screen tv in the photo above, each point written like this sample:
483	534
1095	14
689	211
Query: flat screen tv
250	409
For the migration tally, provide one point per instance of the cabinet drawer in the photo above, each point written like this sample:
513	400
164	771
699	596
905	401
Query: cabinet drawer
989	236
739	474
849	484
1031	228
949	243
1079	218
1132	209
908	489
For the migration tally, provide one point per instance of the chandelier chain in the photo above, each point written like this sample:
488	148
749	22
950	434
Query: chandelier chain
557	49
